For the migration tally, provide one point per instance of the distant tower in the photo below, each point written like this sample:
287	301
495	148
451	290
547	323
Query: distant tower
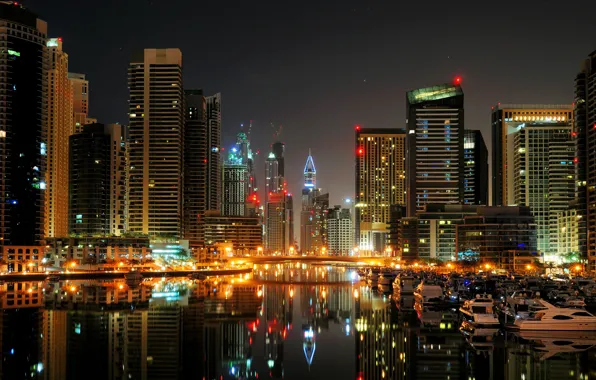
279	150
307	213
235	183
310	173
272	178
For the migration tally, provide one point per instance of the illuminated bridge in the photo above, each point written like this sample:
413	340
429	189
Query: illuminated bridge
358	261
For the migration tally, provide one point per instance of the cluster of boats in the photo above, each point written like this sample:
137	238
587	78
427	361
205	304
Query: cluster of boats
488	302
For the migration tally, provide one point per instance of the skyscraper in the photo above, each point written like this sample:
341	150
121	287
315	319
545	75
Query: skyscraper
23	118
475	168
435	146
98	180
380	183
585	134
59	128
536	149
156	121
201	164
80	101
307	213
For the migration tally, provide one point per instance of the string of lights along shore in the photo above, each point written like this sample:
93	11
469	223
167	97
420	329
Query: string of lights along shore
163	185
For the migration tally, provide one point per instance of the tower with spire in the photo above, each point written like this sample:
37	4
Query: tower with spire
312	215
310	173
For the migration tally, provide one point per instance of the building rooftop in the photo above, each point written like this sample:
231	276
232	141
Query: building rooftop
534	106
438	92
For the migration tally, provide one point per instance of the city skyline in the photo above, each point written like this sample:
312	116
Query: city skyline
378	34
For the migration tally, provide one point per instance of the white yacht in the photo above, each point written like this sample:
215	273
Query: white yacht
552	318
427	294
479	311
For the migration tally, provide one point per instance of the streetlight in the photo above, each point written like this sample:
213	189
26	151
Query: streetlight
487	266
578	268
260	250
324	250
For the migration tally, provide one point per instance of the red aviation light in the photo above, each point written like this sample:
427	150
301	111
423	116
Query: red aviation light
357	127
575	160
457	80
360	151
574	134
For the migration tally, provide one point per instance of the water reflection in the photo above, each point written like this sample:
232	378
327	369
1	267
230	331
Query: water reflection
286	321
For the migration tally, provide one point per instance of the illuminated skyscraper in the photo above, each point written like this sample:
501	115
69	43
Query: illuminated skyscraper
156	119
534	153
80	101
585	133
59	128
380	183
435	146
235	185
23	118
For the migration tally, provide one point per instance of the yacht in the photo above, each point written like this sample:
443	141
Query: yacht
404	285
428	294
552	318
479	311
572	301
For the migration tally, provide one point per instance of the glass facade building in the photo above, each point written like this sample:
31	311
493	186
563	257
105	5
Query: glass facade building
23	118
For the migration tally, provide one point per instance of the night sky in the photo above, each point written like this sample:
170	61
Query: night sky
319	69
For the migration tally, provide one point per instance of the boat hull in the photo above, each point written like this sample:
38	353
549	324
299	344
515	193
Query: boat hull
524	325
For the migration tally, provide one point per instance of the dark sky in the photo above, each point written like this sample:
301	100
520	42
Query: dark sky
320	67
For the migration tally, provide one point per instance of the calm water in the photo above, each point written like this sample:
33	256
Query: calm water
291	322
